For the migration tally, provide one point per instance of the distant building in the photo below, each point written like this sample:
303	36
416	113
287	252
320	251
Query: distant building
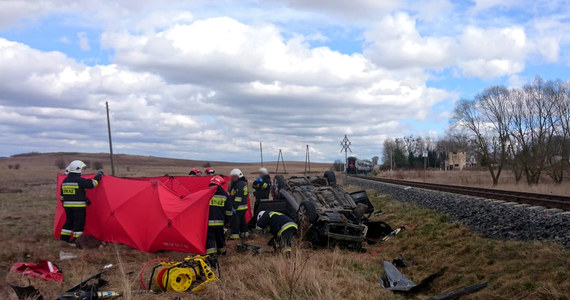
456	161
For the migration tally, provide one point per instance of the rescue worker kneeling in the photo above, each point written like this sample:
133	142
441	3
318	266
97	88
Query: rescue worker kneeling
74	199
281	226
220	213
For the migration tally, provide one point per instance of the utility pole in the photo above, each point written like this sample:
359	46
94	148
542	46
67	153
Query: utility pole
280	157
345	144
261	153
110	139
307	161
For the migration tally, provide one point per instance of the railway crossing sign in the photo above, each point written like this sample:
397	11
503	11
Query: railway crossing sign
345	144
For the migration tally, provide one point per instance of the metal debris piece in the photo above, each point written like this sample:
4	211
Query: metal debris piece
27	292
66	255
400	262
395	281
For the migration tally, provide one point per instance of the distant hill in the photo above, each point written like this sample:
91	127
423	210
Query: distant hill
128	159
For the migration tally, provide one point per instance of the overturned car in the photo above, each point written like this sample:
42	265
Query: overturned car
327	215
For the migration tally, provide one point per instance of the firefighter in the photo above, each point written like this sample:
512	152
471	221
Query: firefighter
281	226
209	171
238	197
220	212
262	188
195	172
74	199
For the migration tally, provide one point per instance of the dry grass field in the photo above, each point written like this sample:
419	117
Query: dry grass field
481	178
514	270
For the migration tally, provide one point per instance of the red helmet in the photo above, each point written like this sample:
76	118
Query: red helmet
217	180
195	171
209	171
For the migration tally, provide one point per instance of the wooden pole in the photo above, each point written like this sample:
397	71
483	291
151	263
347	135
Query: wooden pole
261	152
110	140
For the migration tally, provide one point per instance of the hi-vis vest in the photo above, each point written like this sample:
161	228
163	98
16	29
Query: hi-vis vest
239	194
73	190
220	208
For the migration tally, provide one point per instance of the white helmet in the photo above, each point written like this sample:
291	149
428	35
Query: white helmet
260	214
263	171
75	166
236	172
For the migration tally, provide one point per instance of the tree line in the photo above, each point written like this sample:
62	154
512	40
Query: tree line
526	129
418	152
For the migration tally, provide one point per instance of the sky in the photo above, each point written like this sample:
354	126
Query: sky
209	80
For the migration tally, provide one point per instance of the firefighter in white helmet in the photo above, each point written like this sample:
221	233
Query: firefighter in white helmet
74	199
238	198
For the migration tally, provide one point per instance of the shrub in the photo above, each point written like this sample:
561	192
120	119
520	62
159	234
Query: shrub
10	166
207	165
16	166
60	164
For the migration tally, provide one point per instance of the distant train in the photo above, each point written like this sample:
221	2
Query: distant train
358	166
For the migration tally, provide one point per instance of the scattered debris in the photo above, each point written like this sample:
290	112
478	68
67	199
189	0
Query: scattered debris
397	282
27	292
66	255
378	213
254	249
192	274
87	242
45	270
460	292
90	291
97	276
400	262
393	233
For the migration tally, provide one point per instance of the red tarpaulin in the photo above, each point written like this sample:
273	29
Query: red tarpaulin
148	214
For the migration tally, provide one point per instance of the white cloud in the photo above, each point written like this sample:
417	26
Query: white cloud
217	86
487	53
188	75
395	43
83	41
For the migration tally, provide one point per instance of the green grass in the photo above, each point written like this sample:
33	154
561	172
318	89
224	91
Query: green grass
514	270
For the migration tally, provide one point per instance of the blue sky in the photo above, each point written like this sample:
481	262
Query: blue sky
198	80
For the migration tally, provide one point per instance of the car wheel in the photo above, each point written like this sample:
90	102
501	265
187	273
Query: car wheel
279	182
331	177
306	216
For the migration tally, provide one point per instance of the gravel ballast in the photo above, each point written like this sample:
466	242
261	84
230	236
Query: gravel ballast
492	219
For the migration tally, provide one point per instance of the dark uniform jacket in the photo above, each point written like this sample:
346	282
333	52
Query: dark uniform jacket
220	208
275	222
262	189
238	194
73	189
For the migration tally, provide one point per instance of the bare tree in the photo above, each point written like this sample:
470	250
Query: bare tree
560	119
486	119
533	127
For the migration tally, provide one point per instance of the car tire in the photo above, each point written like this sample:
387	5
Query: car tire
279	182
307	212
331	177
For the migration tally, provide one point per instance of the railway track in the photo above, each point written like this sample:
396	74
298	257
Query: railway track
549	201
